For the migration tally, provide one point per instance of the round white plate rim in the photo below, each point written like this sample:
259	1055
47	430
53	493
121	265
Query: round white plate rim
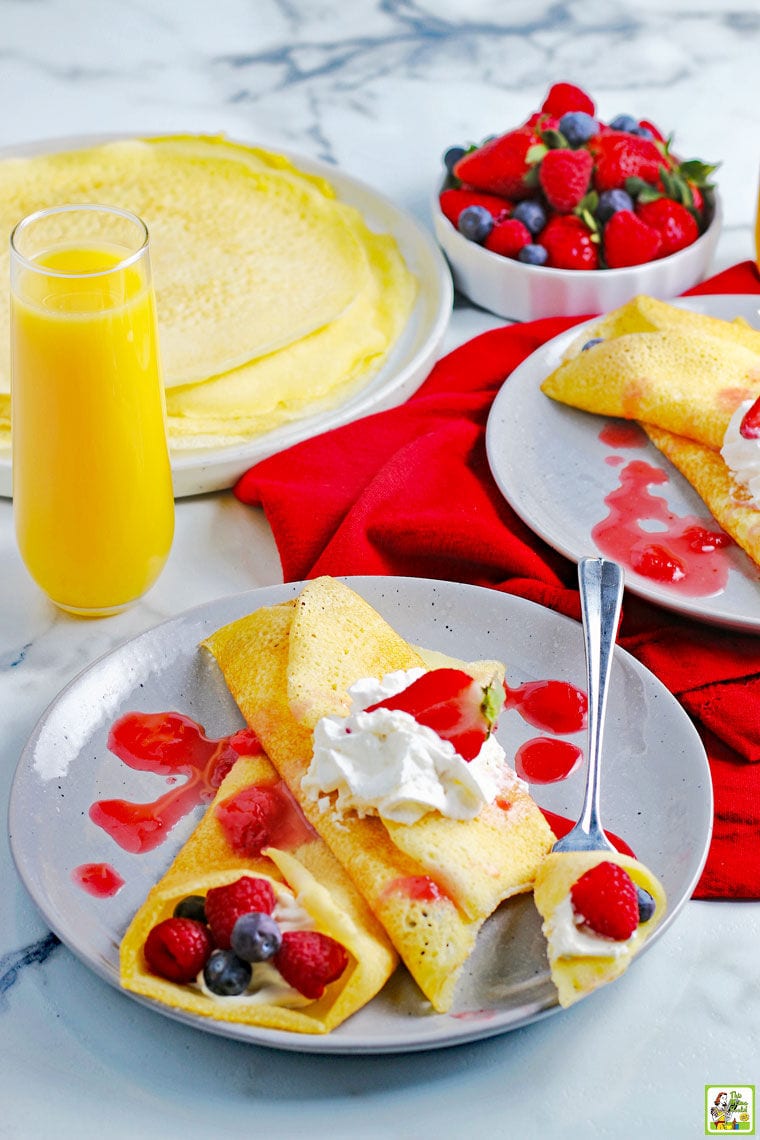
439	1030
504	462
215	469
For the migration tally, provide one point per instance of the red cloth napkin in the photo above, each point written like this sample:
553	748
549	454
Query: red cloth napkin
409	492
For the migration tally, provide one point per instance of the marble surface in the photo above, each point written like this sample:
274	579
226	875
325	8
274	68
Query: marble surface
381	88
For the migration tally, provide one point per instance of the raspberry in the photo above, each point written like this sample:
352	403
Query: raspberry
564	97
567	240
508	237
605	898
225	905
452	202
564	176
258	816
500	165
309	961
673	222
629	241
620	155
451	703
177	949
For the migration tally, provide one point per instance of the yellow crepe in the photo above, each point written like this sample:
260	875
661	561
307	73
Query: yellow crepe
577	976
690	385
433	883
649	314
272	294
320	885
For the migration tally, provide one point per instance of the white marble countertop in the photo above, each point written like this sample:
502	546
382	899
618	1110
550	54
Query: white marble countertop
381	88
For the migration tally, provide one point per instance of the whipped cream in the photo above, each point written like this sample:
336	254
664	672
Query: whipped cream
568	938
385	763
742	456
267	985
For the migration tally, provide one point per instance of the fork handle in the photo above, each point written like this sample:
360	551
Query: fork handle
601	591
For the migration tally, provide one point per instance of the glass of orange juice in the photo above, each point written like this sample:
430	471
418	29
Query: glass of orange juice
92	488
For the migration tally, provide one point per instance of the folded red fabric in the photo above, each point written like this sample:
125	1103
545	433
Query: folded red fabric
409	492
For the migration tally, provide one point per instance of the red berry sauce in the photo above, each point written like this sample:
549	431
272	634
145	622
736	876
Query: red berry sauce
640	531
545	761
419	888
552	706
98	879
170	745
622	433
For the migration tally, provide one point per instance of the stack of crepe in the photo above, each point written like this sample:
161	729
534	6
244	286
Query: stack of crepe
424	888
682	375
274	298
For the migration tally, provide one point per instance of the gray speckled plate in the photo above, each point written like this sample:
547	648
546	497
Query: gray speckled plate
554	470
656	794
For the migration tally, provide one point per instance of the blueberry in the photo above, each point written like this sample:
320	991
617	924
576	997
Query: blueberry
531	214
624	123
646	904
192	906
255	937
475	223
533	254
226	974
578	127
642	132
590	343
452	157
610	202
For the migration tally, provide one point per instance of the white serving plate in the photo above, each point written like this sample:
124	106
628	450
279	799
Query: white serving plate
656	794
407	365
554	470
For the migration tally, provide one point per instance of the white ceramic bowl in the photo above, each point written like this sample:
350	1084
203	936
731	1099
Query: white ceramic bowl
522	292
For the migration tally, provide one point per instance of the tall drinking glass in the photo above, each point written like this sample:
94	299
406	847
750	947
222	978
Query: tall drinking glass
92	489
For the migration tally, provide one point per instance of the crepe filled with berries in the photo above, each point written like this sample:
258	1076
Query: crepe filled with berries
429	878
598	910
255	921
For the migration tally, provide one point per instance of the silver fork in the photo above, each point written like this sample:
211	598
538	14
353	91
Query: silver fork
601	588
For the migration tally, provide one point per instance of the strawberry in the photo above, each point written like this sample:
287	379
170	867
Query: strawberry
564	176
455	706
568	242
177	949
620	155
750	425
673	222
452	202
648	125
605	898
508	237
225	905
564	97
629	241
309	961
500	165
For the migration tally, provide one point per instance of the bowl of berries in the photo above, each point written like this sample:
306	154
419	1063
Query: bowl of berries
567	215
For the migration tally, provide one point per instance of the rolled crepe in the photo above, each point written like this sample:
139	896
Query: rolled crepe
320	885
431	884
575	976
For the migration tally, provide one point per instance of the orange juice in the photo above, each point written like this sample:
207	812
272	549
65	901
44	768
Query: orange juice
92	488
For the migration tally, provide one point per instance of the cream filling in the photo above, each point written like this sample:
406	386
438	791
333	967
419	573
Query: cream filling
385	763
568	938
742	456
